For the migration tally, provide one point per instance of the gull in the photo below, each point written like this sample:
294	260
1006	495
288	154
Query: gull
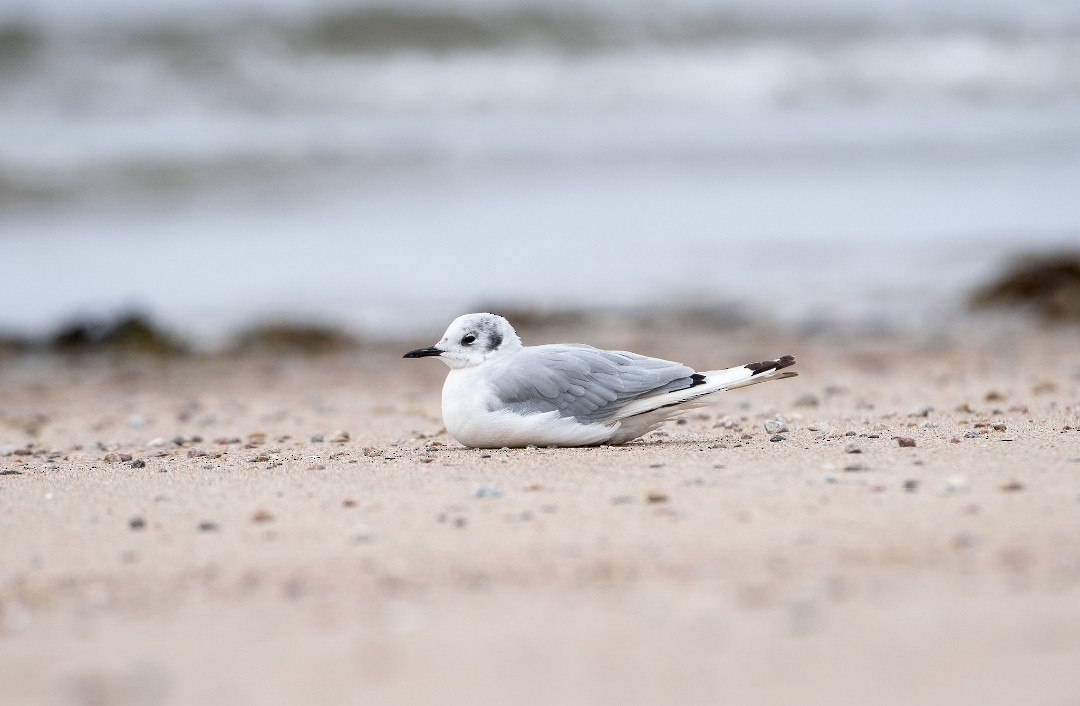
501	393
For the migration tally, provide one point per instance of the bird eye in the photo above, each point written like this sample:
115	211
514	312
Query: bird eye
468	340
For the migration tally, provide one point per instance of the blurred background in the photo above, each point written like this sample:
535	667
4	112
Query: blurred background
385	166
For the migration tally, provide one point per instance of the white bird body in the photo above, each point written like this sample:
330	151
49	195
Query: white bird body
500	393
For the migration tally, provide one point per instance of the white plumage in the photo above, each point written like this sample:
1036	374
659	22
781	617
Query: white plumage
501	393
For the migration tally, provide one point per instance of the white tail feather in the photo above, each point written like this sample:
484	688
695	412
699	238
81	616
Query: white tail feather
715	381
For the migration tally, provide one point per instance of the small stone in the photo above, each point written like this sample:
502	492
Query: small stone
776	437
622	500
850	433
486	490
138	463
260	458
728	422
972	435
137	523
208	527
339	437
776	426
954	440
956	484
920	410
111	458
911	485
7	449
994	396
316	438
998	426
852	448
348	502
485	455
808	400
371	451
156	443
905	441
656	497
460	522
261	515
856	468
1012	487
364	535
196	452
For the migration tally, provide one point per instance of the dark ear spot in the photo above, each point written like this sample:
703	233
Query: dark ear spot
496	340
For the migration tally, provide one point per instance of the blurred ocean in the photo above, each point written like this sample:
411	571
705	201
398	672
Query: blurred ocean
389	165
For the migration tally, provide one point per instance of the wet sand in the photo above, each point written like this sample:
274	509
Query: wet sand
242	562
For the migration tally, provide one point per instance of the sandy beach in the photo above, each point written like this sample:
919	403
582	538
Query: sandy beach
282	530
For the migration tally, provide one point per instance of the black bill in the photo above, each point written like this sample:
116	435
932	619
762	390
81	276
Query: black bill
423	352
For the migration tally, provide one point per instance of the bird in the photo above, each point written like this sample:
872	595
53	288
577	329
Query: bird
501	393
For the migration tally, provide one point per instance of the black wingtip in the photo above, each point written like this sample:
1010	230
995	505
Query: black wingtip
785	361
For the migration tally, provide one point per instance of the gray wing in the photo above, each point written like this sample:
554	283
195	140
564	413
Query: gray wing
583	382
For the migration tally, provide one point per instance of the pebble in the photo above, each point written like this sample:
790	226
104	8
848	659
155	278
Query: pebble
485	455
138	463
1012	486
905	441
7	449
856	467
261	515
728	422
339	437
656	497
486	490
972	435
808	400
776	426
852	448
911	485
776	437
364	535
920	410
316	438
956	484
136	422
622	500
137	523
156	443
208	527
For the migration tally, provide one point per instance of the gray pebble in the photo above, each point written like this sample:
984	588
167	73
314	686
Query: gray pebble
856	467
622	500
316	438
852	449
364	535
208	527
138	463
971	435
776	437
486	490
911	485
920	410
776	426
137	523
485	455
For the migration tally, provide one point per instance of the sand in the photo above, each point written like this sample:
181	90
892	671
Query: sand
248	564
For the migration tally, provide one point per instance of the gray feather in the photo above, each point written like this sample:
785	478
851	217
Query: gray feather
580	381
